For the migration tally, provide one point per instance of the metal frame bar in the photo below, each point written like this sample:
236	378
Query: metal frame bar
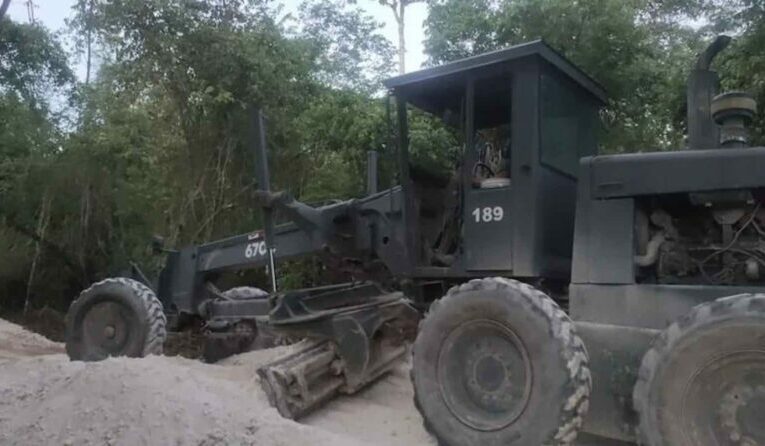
410	224
264	183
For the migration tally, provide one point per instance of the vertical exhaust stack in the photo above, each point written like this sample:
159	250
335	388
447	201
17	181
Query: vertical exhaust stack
372	172
703	84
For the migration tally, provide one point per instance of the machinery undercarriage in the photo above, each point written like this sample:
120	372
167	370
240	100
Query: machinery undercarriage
352	334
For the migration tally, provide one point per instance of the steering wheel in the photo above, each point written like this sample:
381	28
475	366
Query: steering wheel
483	166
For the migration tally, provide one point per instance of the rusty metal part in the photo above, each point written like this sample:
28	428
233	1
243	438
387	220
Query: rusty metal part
346	349
226	339
302	380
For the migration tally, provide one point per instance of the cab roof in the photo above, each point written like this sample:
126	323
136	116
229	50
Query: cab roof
458	71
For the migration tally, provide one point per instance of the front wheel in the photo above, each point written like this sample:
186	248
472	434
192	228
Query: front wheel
115	317
497	362
702	382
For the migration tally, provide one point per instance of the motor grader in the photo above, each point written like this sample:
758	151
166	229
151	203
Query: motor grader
565	294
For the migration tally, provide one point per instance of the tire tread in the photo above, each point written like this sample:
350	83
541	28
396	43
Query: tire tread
576	404
663	345
157	321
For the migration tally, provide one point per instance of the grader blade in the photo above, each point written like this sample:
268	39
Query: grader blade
347	346
302	380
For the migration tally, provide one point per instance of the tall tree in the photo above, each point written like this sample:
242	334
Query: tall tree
86	7
348	45
399	13
33	70
199	64
32	62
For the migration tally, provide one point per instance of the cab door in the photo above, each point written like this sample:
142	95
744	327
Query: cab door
487	186
488	227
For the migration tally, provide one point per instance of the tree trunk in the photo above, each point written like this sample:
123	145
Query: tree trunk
61	253
89	41
85	236
87	64
42	226
4	8
399	12
401	38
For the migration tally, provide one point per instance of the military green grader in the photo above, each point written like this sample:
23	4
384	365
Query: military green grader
565	294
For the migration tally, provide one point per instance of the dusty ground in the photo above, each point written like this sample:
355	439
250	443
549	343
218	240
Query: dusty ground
15	342
47	399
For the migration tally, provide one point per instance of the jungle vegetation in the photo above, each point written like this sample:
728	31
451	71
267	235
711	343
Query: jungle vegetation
152	140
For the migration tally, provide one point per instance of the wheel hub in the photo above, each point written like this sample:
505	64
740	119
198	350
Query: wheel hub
106	327
490	373
741	414
725	401
484	374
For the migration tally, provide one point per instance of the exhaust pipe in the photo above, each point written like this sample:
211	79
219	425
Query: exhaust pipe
703	84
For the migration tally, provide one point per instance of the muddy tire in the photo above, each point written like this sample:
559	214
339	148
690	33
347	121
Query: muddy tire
702	382
497	362
115	317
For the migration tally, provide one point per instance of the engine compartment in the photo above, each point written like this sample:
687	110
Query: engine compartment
701	238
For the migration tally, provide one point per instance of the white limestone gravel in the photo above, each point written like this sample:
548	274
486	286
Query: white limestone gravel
47	399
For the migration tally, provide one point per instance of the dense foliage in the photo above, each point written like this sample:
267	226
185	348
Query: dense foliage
155	140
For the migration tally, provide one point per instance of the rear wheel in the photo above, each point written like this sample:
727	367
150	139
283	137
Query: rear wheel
497	362
702	382
115	317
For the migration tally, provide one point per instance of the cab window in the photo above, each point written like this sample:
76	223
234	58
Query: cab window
568	125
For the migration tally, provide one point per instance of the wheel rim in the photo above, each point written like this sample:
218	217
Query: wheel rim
106	328
484	374
724	401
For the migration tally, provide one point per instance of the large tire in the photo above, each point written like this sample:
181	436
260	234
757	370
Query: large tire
115	317
497	362
702	382
240	336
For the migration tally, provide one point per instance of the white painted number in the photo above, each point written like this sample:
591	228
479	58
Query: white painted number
255	249
488	214
499	213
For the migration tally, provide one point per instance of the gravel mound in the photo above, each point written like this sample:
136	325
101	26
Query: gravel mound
154	400
151	401
17	342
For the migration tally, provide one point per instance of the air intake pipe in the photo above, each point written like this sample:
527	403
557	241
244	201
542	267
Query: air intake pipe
734	111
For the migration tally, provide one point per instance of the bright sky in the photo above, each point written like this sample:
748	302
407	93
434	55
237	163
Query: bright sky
52	14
